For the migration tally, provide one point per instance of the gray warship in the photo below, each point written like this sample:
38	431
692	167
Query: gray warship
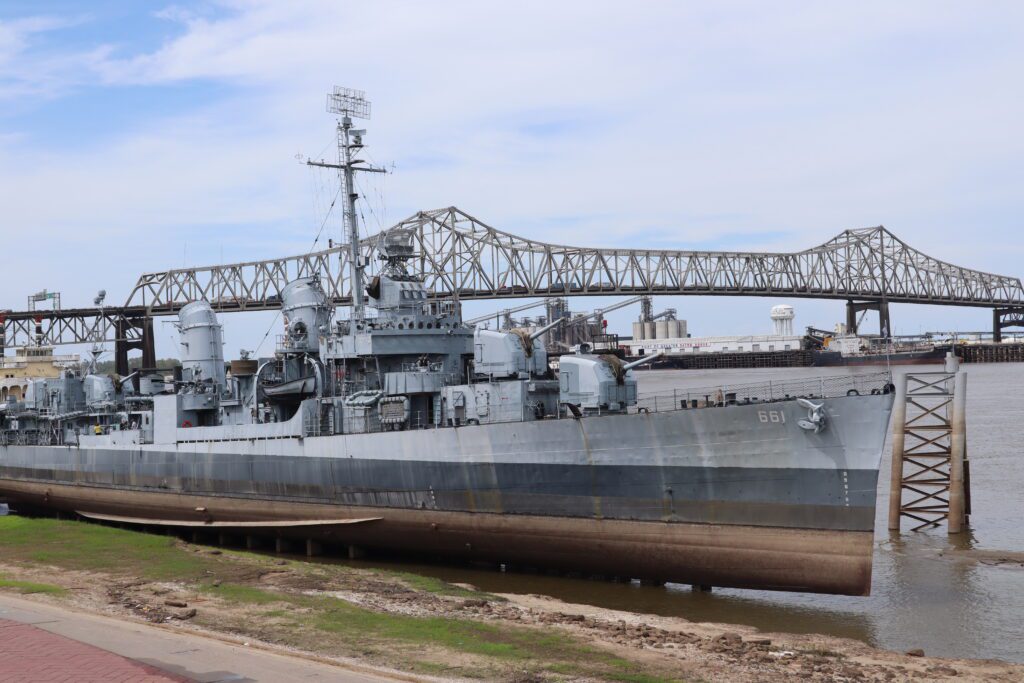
402	428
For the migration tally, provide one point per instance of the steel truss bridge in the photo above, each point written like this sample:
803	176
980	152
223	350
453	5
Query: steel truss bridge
460	256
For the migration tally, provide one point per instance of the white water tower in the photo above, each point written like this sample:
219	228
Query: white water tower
782	319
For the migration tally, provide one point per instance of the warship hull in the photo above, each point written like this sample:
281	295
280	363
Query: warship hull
737	496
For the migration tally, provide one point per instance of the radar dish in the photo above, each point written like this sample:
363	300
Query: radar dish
397	243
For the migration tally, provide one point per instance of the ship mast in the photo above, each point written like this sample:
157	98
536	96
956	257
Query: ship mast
348	103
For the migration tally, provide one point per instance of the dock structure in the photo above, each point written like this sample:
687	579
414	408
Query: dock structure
930	478
991	353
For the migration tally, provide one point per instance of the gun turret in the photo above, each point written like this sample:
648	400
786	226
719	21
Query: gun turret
597	383
512	353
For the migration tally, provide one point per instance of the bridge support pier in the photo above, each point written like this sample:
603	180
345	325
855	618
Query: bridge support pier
1003	318
144	341
855	307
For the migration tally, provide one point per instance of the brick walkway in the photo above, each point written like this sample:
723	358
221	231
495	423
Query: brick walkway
31	654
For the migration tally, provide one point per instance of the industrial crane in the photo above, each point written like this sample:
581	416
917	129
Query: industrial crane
597	312
502	316
574	320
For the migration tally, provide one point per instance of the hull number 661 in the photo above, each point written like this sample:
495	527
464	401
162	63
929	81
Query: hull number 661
771	416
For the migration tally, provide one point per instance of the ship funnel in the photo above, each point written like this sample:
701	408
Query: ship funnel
642	361
202	342
307	313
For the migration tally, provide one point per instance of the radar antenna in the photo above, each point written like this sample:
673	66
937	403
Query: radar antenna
349	103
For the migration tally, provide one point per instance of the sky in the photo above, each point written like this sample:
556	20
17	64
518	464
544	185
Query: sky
141	136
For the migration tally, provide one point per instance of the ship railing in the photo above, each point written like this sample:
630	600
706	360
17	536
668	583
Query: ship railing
429	367
31	437
286	343
768	391
420	419
346	387
319	420
311	426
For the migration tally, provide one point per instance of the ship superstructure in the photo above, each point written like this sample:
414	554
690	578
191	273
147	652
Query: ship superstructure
402	427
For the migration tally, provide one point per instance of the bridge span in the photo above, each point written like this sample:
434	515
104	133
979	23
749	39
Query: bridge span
458	255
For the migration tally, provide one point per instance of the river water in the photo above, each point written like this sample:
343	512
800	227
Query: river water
921	596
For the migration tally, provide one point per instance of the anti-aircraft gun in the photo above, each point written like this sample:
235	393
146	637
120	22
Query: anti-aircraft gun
510	380
598	383
57	410
512	353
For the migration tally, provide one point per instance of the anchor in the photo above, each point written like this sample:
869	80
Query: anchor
816	417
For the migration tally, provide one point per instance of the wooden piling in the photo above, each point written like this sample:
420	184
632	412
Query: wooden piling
958	451
899	422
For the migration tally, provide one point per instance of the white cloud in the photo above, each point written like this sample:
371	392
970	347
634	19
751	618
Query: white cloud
28	73
754	125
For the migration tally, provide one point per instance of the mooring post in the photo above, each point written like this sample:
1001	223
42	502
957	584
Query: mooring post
899	423
957	452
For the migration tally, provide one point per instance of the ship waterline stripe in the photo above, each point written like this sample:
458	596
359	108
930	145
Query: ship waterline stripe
802	498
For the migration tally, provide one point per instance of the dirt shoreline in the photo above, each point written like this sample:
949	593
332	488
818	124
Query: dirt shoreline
426	629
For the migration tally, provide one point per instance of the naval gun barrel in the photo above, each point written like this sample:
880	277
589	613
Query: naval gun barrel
534	336
642	361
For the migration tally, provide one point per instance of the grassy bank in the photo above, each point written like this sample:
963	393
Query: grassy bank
419	624
30	587
406	621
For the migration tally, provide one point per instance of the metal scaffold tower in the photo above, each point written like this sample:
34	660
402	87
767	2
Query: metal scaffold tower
930	473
